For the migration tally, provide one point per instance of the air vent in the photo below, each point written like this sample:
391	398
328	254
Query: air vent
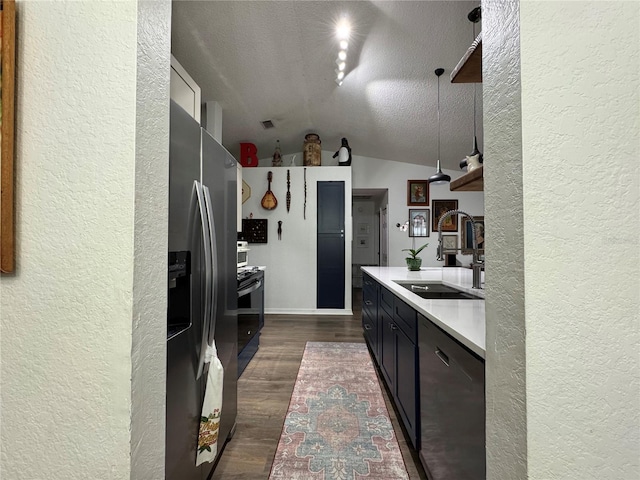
266	124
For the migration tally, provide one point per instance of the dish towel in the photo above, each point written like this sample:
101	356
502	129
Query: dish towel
211	408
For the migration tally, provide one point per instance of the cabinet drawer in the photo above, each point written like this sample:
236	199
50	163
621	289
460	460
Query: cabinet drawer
368	282
370	298
386	300
405	317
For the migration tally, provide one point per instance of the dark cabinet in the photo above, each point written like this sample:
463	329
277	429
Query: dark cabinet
436	384
399	359
370	323
330	245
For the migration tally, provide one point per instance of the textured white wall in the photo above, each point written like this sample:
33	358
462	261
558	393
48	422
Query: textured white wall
66	315
581	134
505	359
290	279
148	353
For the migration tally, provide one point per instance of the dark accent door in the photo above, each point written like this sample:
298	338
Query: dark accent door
330	260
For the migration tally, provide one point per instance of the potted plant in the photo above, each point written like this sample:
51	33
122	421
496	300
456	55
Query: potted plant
413	260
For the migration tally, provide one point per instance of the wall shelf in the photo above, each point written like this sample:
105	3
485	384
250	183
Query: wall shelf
469	68
469	182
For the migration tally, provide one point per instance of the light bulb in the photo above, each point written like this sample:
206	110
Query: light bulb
344	44
343	29
342	55
340	75
341	65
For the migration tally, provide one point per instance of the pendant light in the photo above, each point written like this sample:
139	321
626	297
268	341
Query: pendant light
439	178
474	17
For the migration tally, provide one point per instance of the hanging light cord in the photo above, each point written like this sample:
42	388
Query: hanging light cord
474	98
438	121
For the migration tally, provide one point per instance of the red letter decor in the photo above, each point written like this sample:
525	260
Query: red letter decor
248	155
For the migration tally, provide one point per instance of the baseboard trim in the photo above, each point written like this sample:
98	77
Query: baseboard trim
302	311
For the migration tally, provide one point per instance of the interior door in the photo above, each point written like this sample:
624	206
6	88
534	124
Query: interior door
330	246
384	238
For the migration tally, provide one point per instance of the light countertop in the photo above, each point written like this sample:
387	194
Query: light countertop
464	320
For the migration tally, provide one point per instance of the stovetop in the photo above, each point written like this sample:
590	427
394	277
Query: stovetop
246	272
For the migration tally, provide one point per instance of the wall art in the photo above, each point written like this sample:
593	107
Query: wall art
417	192
419	222
439	208
7	122
467	239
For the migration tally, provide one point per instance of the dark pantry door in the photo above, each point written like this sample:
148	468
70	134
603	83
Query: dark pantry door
330	262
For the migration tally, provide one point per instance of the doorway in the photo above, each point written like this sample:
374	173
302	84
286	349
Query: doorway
370	240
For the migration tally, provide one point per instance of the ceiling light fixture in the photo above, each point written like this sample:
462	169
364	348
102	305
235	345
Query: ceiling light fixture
439	178
343	32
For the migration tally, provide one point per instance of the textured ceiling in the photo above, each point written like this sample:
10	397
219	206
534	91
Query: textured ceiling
275	60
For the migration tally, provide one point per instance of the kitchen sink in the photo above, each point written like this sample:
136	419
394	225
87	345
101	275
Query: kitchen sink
436	290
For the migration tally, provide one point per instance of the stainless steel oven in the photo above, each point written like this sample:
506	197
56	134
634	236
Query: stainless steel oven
250	314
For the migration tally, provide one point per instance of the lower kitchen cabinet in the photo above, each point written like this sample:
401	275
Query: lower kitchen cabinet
399	366
436	384
370	323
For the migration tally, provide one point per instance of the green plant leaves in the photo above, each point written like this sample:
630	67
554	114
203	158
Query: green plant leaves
414	253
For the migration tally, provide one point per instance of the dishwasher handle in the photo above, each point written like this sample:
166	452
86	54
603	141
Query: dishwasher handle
442	356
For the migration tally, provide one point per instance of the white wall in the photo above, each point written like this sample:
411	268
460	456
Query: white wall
505	358
365	229
81	319
366	237
290	279
581	134
387	174
148	349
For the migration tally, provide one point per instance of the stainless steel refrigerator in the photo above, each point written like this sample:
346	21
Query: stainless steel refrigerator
202	288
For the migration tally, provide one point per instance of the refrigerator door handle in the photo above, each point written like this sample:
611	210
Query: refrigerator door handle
214	261
206	240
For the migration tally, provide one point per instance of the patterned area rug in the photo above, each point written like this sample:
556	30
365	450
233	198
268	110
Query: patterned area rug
337	426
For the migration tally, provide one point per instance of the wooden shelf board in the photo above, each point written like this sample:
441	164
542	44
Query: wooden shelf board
469	68
469	182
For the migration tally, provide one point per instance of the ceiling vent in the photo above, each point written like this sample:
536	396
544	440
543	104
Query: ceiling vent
266	124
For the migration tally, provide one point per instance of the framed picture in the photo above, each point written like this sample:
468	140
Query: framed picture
439	208
467	239
362	242
7	115
417	192
450	242
419	222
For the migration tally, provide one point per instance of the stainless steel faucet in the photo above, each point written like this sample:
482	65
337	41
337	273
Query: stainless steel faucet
476	264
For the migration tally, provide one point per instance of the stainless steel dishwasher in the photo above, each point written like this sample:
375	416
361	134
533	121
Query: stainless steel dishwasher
452	406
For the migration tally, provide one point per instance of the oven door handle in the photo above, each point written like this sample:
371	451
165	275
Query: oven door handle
250	289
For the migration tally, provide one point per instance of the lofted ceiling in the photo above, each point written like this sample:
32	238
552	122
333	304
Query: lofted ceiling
275	60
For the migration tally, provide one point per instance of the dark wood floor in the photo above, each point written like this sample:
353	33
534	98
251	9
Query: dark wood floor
266	385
